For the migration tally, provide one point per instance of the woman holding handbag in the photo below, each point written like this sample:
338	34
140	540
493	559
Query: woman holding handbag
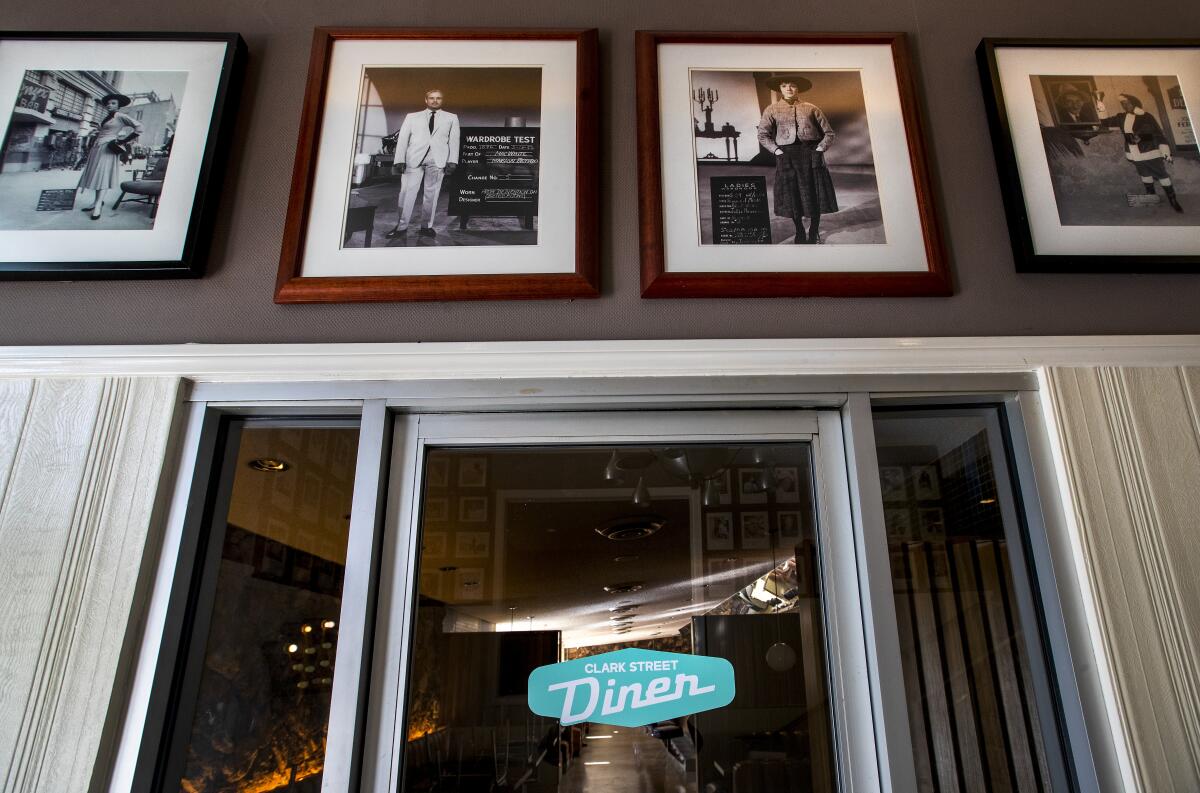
109	151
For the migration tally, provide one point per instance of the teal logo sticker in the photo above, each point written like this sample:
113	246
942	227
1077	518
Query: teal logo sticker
630	688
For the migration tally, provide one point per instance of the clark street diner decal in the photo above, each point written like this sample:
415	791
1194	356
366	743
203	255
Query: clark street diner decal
630	688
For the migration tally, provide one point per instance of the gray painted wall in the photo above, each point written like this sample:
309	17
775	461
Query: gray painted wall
233	302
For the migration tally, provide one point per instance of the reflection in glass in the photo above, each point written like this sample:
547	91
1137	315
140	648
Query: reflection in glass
263	704
972	707
530	556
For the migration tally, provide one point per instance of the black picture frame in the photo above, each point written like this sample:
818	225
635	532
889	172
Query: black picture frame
216	146
1026	257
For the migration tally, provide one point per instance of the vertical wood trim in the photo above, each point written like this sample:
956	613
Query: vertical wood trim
1131	447
1152	532
75	516
15	399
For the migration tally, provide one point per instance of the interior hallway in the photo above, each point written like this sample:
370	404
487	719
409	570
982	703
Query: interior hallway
626	759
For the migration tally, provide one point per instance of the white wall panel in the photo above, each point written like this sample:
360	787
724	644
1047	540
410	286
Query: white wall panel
80	468
1130	440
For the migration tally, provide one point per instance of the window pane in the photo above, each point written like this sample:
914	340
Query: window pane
530	556
262	708
973	710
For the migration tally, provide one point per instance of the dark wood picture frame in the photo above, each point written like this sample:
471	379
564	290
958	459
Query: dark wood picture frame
197	236
292	287
657	282
1025	257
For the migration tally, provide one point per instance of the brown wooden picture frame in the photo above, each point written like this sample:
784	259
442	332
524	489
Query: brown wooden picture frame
293	287
658	282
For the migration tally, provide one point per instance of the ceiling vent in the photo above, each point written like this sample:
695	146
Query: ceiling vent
620	589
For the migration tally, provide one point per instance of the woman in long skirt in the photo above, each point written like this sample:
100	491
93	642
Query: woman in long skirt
102	171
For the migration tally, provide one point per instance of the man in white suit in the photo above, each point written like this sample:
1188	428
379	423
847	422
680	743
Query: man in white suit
426	151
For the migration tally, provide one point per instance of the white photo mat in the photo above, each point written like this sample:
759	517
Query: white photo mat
904	250
203	62
554	252
1016	66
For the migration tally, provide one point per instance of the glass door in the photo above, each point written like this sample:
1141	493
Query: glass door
524	541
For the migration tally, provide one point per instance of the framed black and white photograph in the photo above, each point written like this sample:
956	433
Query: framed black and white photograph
473	509
437	510
433	543
472	472
787	484
472	544
892	482
933	523
899	524
111	151
468	583
926	482
718	531
437	472
756	534
443	165
783	164
790	524
751	487
1096	149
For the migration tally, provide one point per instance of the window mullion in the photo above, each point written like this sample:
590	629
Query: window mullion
347	717
897	771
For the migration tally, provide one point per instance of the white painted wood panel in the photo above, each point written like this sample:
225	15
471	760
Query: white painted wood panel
1130	440
81	462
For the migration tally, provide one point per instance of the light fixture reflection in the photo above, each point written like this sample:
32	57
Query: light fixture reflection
612	471
269	465
712	495
641	494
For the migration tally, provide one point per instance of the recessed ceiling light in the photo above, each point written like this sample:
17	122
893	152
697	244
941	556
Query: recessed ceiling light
987	501
631	527
634	461
269	465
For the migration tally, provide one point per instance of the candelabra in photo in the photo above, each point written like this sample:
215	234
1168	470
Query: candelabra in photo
707	98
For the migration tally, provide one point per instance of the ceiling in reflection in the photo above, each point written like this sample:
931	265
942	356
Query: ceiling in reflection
306	506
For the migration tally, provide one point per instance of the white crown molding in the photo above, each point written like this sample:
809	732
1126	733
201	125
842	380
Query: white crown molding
563	359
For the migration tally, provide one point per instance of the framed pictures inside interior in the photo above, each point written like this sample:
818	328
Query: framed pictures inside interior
783	164
110	151
445	165
1096	149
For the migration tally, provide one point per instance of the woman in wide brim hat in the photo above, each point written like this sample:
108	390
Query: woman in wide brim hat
103	169
772	80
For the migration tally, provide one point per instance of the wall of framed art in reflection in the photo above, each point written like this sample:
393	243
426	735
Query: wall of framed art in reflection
1096	152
